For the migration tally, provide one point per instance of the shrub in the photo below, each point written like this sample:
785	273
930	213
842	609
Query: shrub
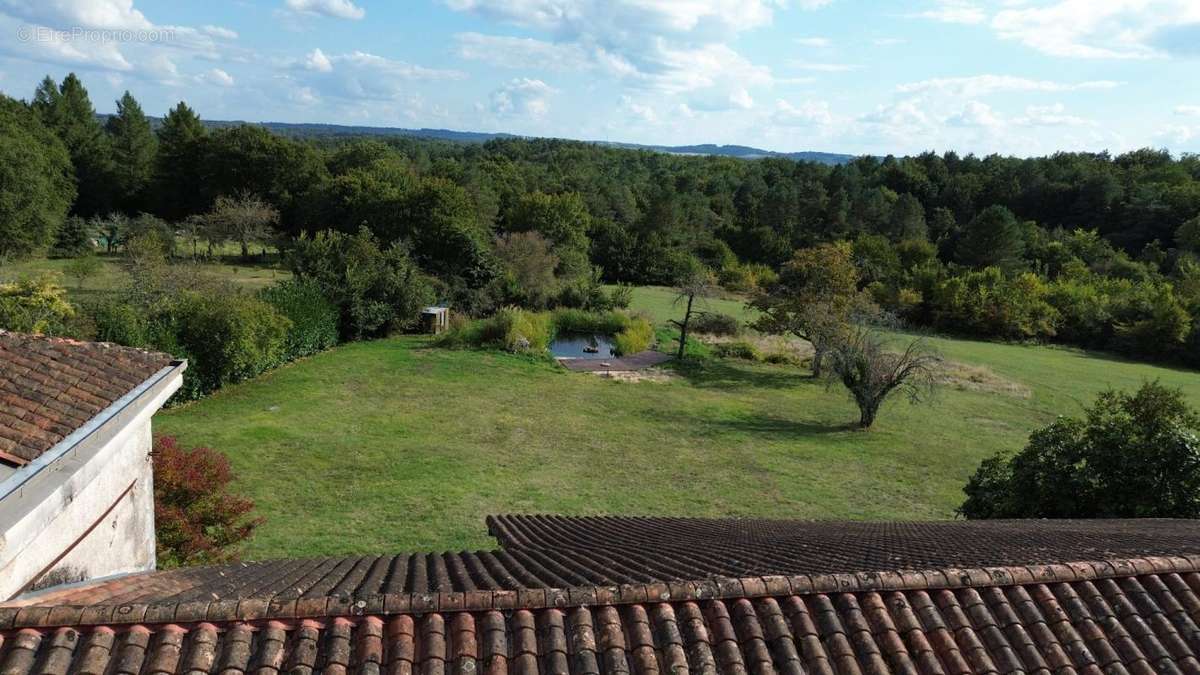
739	349
620	297
715	323
636	337
197	521
580	321
374	289
783	359
1131	456
511	329
227	338
314	318
35	306
119	322
73	239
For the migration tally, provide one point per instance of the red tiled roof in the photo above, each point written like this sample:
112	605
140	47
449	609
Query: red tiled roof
49	387
1140	623
1111	615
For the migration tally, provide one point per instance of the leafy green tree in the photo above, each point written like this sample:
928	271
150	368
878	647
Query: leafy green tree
36	186
68	111
1130	456
375	289
177	167
133	152
74	238
529	263
814	298
83	268
249	158
993	238
561	218
1187	237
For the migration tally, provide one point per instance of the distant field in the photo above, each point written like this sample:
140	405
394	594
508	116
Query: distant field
249	275
391	445
659	302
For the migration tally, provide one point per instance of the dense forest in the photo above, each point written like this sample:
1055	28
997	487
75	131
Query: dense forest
1083	248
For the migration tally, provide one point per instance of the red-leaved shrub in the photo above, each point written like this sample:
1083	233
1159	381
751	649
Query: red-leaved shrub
198	521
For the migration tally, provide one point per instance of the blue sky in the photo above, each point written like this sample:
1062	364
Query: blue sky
1018	77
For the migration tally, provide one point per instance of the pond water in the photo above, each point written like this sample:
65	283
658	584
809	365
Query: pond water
574	346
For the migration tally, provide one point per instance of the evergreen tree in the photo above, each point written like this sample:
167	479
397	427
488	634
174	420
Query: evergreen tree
133	150
69	113
993	238
177	172
36	188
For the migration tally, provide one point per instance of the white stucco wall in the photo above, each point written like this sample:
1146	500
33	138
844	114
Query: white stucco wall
90	512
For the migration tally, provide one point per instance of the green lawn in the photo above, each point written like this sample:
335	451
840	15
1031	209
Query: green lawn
659	302
392	445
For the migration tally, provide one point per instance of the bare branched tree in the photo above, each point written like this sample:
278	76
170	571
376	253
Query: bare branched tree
245	219
858	357
697	283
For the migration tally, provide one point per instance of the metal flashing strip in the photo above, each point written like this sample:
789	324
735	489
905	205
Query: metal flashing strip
26	473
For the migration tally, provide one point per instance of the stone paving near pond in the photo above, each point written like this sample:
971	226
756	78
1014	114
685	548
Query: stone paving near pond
632	362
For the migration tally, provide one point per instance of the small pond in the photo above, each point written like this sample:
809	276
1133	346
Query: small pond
575	346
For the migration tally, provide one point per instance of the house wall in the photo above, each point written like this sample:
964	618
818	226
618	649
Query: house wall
88	513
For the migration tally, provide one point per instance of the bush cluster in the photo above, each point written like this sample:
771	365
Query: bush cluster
314	319
715	323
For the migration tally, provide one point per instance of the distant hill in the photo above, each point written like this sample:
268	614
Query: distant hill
316	130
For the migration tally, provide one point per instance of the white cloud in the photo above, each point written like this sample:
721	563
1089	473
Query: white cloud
521	96
955	11
1189	110
812	41
640	111
338	9
216	76
676	47
1052	116
1118	29
824	67
808	113
67	14
620	20
316	60
975	114
981	85
515	52
362	76
219	32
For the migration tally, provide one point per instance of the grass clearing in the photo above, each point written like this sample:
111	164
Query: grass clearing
110	277
393	445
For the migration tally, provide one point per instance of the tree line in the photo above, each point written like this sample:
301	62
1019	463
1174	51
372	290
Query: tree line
1083	248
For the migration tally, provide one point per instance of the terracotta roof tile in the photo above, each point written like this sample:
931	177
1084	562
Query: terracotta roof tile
51	386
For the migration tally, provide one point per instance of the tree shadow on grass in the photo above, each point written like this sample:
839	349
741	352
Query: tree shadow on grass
715	374
773	426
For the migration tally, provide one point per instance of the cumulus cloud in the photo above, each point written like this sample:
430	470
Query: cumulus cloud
1122	29
522	96
362	76
217	77
677	48
338	9
636	110
981	85
1052	116
515	52
807	113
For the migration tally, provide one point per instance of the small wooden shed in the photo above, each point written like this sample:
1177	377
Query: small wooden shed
435	319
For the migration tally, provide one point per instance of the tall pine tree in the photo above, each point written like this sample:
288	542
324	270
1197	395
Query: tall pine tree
133	150
68	111
180	141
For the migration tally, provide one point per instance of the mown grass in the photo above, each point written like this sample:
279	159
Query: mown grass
392	445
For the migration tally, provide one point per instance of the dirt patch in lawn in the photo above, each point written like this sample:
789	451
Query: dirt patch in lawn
965	377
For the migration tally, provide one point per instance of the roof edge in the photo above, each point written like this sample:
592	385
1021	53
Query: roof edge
253	609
